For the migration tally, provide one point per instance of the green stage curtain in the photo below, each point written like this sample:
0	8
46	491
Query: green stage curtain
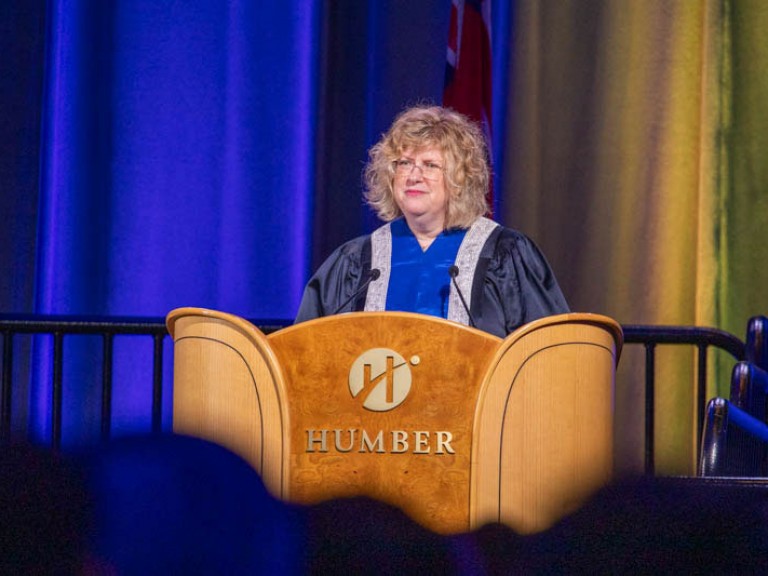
635	157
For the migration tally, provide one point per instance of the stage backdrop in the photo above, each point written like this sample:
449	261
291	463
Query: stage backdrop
636	156
203	153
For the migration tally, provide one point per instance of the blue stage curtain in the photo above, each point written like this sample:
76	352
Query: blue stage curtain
178	156
177	170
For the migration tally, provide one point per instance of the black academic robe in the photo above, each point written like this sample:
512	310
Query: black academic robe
512	285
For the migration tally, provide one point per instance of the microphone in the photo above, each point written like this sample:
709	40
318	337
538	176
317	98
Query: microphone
372	275
453	271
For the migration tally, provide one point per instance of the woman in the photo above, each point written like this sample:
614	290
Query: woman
428	179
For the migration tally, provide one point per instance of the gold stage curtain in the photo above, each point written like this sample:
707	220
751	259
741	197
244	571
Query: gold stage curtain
635	155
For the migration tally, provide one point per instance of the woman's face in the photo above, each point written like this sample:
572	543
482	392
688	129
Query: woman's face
419	187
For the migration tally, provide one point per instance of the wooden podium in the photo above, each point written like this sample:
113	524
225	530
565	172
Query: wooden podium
456	427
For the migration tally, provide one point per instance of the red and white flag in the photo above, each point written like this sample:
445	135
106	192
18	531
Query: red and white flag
468	68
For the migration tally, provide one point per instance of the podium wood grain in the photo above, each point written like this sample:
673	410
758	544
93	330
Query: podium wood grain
316	357
530	416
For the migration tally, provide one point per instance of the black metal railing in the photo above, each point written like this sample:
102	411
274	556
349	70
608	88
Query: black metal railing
58	328
107	328
650	337
702	338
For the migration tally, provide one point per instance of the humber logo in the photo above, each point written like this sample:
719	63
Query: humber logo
383	377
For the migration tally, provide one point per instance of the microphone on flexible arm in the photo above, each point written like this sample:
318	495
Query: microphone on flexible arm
372	275
453	271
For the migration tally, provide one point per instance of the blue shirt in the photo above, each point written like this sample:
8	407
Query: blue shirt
419	279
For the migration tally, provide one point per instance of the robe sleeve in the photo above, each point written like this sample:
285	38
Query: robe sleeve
335	281
518	285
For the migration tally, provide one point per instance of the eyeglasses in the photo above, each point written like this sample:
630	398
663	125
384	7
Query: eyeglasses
429	170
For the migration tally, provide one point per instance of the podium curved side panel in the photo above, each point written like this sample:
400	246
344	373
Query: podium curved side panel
543	440
228	388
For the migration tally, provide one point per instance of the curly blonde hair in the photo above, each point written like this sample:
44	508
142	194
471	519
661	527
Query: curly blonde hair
463	146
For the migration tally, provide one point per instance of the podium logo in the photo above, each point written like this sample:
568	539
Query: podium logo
382	377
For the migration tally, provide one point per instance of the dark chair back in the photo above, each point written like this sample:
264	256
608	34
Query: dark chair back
749	390
733	442
756	350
